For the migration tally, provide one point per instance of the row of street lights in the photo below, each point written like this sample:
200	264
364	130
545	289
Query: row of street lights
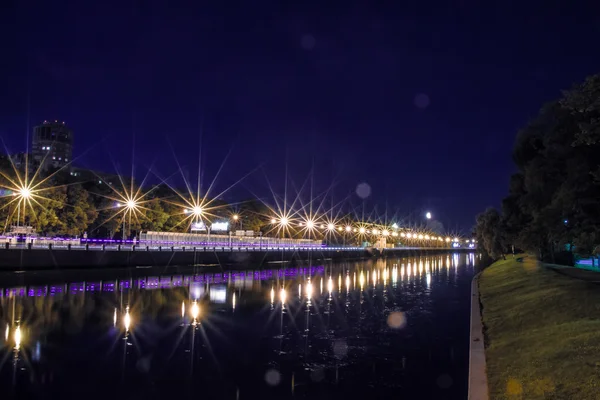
312	225
363	229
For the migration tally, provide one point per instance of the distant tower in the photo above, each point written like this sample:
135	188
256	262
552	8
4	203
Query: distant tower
52	144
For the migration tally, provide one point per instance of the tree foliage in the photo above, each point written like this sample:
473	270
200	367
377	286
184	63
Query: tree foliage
490	233
554	198
77	213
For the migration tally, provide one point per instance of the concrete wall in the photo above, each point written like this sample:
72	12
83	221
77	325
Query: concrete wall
24	259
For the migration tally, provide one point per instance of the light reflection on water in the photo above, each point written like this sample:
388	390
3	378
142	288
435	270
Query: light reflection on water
380	327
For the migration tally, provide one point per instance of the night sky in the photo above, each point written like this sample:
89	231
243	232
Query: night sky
422	101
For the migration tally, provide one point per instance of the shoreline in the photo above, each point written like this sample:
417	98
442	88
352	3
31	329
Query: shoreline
478	385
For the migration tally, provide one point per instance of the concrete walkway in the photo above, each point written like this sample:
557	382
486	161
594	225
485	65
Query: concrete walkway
478	386
574	272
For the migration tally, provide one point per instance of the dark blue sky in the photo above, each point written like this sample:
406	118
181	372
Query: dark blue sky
420	100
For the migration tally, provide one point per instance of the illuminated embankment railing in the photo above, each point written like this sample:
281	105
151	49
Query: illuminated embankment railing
159	282
169	248
201	239
170	240
194	241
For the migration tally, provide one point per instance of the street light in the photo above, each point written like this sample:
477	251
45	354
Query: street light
236	218
428	215
131	206
25	193
196	210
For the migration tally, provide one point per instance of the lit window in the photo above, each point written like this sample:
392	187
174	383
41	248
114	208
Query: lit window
48	148
59	158
66	159
43	147
100	182
72	174
54	158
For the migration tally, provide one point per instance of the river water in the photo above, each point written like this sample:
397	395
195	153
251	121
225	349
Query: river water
395	328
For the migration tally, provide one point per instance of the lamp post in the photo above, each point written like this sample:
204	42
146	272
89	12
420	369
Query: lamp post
123	223
347	230
283	222
24	194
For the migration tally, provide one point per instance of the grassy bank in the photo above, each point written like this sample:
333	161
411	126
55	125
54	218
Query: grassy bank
542	332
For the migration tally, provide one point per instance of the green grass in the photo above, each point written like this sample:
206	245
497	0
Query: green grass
542	332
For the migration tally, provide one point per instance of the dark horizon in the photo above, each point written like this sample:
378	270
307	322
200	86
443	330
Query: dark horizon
423	109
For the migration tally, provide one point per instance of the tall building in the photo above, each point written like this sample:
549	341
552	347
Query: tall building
52	145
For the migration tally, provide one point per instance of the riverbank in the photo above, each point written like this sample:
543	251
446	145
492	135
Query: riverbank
542	329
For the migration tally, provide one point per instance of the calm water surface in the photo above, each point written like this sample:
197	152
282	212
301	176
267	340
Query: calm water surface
395	328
